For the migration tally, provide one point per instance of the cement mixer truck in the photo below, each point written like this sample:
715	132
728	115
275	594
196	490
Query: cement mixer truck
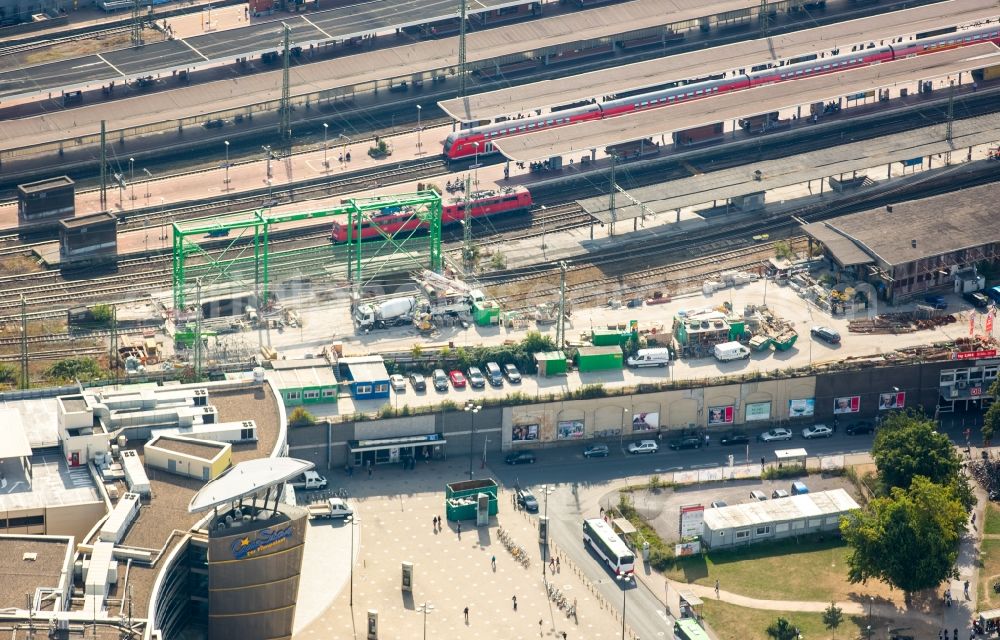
387	313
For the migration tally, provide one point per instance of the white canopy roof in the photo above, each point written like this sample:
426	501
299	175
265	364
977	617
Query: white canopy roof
13	440
247	478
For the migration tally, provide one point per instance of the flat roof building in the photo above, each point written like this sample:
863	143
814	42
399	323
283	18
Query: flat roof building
757	521
910	248
304	381
366	376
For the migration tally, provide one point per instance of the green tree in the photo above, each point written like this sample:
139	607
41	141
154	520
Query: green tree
416	351
782	629
8	375
76	369
535	342
907	445
301	418
783	250
101	313
991	420
909	539
498	261
833	616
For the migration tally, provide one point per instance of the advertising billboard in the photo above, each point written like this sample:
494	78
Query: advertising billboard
894	400
721	415
569	429
847	404
692	520
646	421
758	411
801	408
523	432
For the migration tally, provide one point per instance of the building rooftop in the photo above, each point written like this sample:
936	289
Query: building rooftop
923	228
105	217
806	505
45	185
314	374
53	483
28	563
13	439
245	479
365	368
205	449
39	420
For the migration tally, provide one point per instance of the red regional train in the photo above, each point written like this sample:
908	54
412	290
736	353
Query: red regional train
466	142
482	204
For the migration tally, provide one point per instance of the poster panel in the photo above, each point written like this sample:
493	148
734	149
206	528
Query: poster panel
757	411
524	432
647	421
721	415
847	404
569	429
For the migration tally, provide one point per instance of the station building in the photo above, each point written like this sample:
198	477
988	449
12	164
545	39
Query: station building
909	249
103	479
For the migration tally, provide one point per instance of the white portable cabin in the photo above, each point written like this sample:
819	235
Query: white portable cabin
135	473
233	432
121	517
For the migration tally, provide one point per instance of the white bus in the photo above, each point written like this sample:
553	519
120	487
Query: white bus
609	546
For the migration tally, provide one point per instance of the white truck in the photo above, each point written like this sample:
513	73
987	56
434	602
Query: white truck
656	357
309	481
388	313
329	509
731	351
456	303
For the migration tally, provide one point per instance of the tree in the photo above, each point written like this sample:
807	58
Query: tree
833	616
907	445
991	421
416	351
301	418
783	250
782	629
908	539
76	369
8	375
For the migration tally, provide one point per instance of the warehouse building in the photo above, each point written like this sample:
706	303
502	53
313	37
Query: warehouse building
908	249
743	524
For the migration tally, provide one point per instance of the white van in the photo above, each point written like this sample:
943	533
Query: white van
650	358
731	351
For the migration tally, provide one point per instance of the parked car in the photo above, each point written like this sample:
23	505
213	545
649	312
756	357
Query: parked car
644	446
520	457
977	299
817	431
398	382
527	500
778	433
826	334
719	503
493	374
798	488
457	379
418	382
857	428
758	496
512	374
938	302
440	379
779	493
596	451
687	442
476	378
734	437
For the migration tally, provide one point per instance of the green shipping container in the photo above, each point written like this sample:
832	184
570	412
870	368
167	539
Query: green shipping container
461	498
486	313
551	363
599	358
608	337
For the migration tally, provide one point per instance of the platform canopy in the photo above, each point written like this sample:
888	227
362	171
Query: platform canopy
13	440
247	479
662	121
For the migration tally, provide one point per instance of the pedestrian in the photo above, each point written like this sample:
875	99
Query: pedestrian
966	589
558	568
716	588
467	615
564	635
706	439
762	462
514	600
956	633
552	565
458	526
539	627
493	561
435	521
973	518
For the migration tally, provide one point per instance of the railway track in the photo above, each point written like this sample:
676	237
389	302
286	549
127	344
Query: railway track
41	43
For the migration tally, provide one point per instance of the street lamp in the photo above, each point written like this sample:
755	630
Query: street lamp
267	154
623	578
474	409
419	109
343	149
871	601
326	128
131	178
546	489
149	176
354	521
226	181
425	608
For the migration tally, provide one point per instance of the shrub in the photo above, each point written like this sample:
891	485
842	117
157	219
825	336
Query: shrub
781	473
76	369
301	418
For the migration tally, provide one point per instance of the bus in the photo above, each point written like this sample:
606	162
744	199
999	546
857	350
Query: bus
689	629
609	546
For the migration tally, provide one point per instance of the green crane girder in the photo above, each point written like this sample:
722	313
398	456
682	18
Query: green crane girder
249	249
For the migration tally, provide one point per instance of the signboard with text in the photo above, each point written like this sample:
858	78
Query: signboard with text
758	411
975	355
692	520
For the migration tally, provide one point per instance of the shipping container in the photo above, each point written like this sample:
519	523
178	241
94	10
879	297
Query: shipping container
599	358
462	497
551	363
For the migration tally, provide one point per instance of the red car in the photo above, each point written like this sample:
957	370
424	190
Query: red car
457	379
